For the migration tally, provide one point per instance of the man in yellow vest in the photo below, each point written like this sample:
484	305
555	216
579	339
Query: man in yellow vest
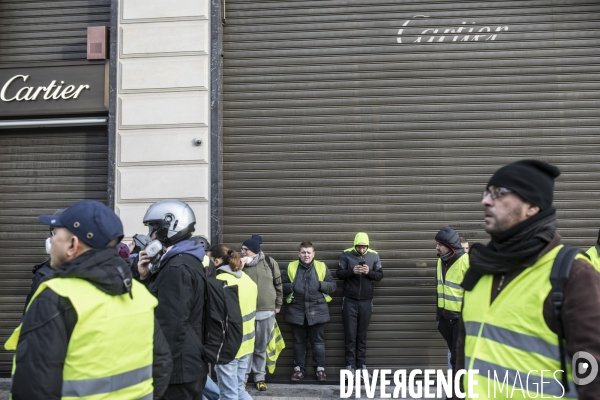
307	285
90	332
509	328
594	253
452	264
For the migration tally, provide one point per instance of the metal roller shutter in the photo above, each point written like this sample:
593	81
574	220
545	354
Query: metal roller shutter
48	30
40	172
340	116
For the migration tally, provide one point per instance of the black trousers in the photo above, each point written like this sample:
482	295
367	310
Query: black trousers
449	331
316	335
185	391
356	315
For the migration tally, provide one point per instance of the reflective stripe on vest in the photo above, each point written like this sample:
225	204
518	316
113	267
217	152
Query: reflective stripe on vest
247	295
510	337
106	358
89	387
449	291
321	270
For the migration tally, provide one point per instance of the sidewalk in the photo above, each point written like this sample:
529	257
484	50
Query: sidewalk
285	391
4	388
279	391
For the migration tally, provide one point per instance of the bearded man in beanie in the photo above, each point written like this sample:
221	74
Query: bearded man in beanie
508	324
264	271
594	253
452	264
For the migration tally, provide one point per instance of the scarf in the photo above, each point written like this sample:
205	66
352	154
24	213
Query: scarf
255	260
517	248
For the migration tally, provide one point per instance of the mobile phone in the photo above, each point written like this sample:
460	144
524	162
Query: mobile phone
361	263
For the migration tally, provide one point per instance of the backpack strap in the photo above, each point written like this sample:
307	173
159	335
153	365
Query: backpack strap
195	336
269	261
561	269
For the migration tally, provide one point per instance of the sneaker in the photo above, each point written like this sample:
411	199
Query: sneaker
321	374
351	369
364	368
298	374
261	386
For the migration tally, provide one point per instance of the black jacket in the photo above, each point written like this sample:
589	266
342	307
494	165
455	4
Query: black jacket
308	298
179	288
359	286
41	273
49	323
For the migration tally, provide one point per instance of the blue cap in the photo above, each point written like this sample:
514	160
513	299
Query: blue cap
91	221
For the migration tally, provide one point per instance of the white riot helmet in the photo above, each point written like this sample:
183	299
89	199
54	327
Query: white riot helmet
172	220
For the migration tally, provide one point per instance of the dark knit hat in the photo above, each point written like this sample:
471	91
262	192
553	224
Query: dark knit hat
253	244
533	180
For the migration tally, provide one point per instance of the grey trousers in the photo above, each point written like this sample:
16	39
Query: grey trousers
257	365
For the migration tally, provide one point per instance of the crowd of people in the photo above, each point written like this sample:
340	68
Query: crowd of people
109	320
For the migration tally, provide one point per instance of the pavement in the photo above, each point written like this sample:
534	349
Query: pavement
279	391
4	388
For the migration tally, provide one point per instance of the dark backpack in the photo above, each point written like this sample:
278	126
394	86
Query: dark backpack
222	321
561	269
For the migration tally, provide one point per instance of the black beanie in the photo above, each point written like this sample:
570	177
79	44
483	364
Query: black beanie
253	243
533	180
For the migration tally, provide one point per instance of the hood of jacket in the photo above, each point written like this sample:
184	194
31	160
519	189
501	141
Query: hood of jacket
103	268
39	266
227	269
185	246
361	239
449	238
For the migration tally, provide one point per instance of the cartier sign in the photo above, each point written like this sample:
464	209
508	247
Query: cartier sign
60	90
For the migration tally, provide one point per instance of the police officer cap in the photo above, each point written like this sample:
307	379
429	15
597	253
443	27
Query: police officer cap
91	221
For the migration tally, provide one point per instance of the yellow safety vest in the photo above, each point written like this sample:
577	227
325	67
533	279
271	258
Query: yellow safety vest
247	295
510	338
449	291
594	257
321	269
274	347
111	348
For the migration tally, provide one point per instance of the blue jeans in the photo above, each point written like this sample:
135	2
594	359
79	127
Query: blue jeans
211	390
231	379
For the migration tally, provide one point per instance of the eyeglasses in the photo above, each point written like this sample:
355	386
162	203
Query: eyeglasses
244	249
496	192
52	232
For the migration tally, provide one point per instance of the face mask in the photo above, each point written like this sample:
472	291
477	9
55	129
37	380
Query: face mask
48	245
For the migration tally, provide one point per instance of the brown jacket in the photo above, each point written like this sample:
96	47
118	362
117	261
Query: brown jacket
580	314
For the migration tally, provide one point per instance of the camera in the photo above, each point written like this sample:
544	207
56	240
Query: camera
140	241
155	251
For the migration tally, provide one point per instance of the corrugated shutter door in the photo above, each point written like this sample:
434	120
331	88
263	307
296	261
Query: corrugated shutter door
40	172
48	30
345	116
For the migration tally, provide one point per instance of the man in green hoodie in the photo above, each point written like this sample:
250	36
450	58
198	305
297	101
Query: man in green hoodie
359	267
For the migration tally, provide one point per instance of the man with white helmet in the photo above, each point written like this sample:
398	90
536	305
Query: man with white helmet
171	268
